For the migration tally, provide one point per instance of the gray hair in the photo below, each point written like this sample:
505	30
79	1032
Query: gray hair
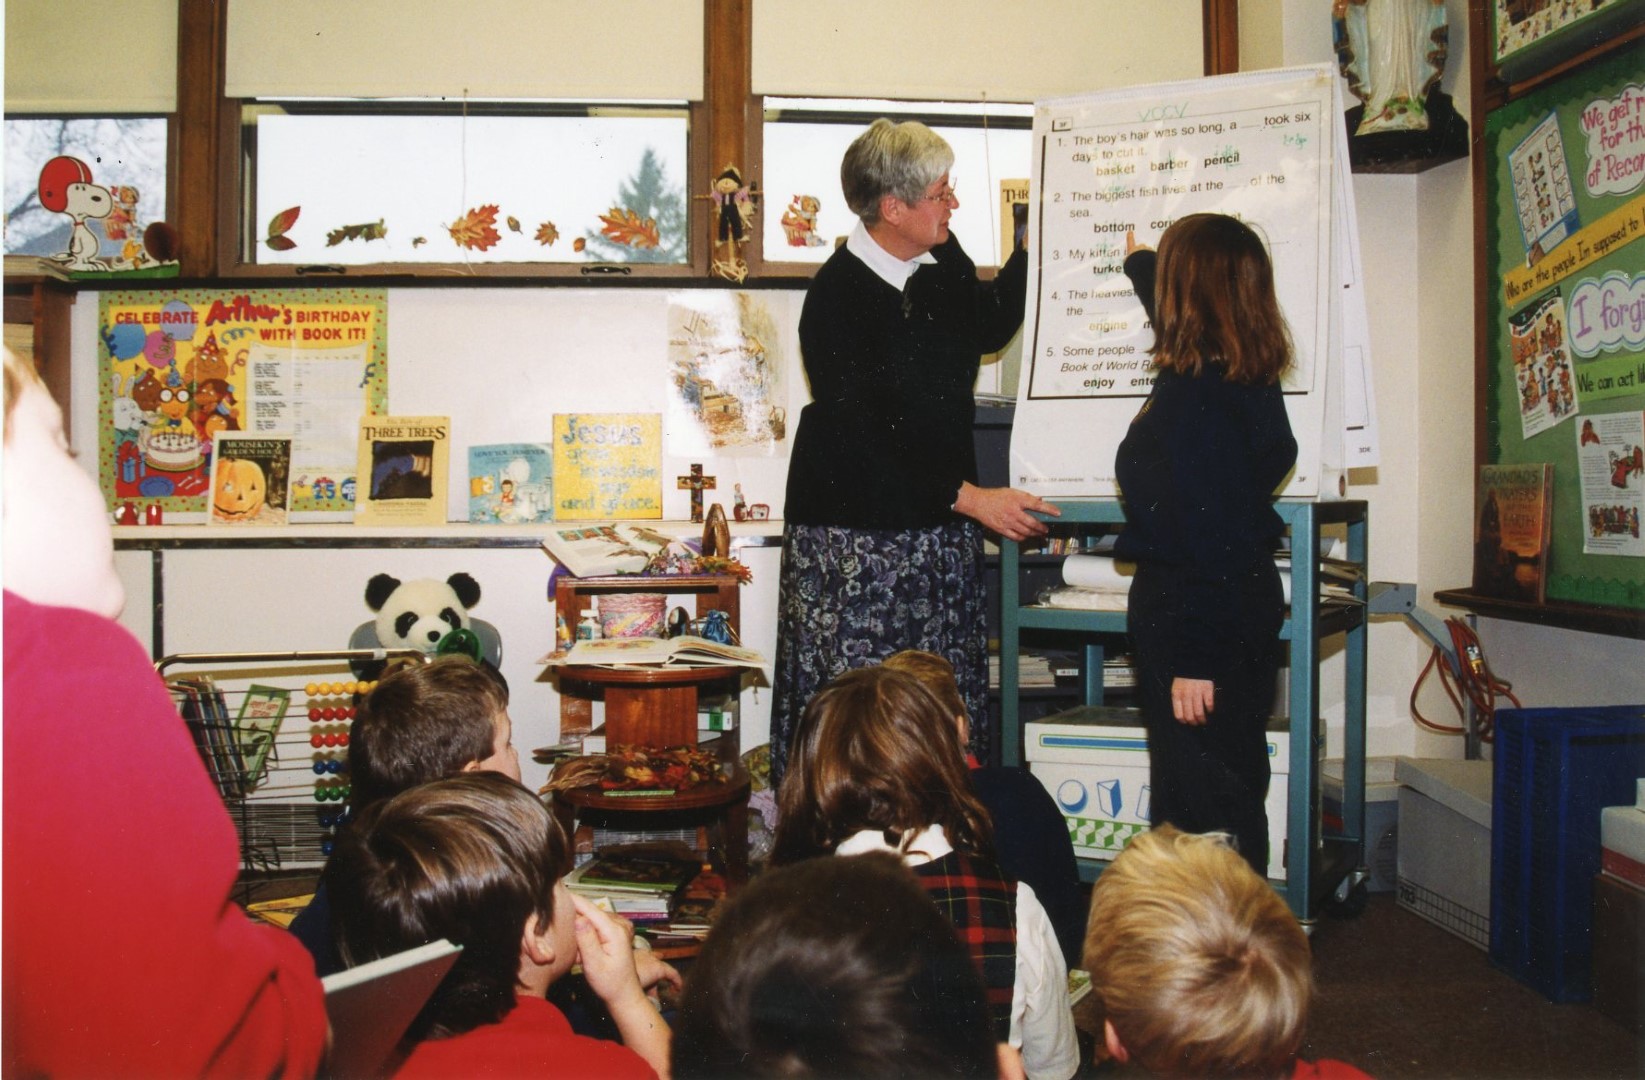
900	160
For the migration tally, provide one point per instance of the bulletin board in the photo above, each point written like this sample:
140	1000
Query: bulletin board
1564	343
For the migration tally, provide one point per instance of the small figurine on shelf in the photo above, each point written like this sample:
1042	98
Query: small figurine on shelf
735	205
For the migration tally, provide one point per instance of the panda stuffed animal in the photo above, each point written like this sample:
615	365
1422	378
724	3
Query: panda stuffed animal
419	614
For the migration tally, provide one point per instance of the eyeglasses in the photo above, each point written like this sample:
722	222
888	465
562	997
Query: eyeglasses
948	194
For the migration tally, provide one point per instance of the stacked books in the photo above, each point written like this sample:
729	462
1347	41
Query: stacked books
638	883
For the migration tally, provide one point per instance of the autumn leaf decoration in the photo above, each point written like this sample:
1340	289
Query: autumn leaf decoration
627	227
371	230
477	229
513	223
278	226
547	234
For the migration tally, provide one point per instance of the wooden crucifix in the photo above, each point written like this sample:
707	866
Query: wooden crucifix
697	482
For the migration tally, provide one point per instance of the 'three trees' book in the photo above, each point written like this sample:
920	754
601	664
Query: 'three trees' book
1511	531
402	470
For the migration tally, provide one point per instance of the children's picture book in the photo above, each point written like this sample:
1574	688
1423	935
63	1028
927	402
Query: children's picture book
255	729
687	650
617	872
1511	531
403	463
250	479
510	483
597	548
608	465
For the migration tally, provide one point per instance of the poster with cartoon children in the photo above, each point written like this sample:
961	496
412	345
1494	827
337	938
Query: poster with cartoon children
1542	365
178	368
1610	454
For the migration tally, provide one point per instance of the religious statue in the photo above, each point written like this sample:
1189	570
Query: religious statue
1392	52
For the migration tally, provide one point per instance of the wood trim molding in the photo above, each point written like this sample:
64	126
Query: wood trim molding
1221	20
200	51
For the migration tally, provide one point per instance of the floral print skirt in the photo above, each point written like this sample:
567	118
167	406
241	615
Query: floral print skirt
849	598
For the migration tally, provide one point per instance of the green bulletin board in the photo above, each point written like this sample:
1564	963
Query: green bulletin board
1565	250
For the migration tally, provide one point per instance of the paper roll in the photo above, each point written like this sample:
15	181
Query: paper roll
1098	572
1103	574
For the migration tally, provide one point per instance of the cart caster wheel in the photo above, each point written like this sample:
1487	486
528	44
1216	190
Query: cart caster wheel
1350	905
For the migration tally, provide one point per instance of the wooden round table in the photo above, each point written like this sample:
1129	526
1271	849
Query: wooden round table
726	803
654	705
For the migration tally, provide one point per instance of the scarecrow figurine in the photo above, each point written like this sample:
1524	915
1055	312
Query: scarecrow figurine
735	204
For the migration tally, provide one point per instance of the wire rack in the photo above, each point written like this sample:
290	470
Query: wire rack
272	730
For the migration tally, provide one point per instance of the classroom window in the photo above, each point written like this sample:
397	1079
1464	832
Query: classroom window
124	154
805	138
352	184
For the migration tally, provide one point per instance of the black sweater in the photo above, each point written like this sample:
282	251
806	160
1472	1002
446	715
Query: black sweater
1197	471
886	440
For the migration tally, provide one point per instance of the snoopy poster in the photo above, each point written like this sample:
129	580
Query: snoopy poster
100	217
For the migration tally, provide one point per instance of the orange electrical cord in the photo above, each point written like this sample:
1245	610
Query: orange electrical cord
1472	684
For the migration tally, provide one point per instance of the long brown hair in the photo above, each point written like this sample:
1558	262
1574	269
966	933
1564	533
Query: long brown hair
1215	302
876	750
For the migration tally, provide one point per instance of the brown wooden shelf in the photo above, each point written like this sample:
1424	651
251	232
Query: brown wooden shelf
1590	618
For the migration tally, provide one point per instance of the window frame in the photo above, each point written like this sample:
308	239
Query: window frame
168	211
237	233
726	126
805	270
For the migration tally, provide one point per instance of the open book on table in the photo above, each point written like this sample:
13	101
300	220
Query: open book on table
683	651
596	548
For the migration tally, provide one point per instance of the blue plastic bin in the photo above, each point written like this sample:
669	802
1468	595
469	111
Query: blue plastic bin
1555	769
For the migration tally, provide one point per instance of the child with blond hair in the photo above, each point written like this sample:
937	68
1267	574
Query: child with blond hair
1201	968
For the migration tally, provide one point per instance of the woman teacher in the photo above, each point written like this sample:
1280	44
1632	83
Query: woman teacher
882	543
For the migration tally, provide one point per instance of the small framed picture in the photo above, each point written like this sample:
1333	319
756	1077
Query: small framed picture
759	512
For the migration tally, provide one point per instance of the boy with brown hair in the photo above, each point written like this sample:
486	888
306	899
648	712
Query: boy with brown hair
1201	968
477	859
422	722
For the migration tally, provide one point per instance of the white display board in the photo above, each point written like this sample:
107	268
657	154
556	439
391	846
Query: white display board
1267	147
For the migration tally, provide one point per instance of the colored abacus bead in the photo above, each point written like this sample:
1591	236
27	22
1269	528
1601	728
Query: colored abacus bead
316	740
311	689
314	714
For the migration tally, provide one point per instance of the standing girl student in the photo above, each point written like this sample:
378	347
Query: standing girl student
1197	472
877	765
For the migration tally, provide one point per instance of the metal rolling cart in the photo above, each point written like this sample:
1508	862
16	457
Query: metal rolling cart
272	731
1326	869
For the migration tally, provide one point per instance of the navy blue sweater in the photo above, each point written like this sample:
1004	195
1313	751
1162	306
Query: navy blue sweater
1197	471
886	440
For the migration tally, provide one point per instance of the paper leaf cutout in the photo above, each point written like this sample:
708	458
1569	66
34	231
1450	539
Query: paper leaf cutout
578	244
418	241
278	226
513	223
371	230
627	227
477	229
547	234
